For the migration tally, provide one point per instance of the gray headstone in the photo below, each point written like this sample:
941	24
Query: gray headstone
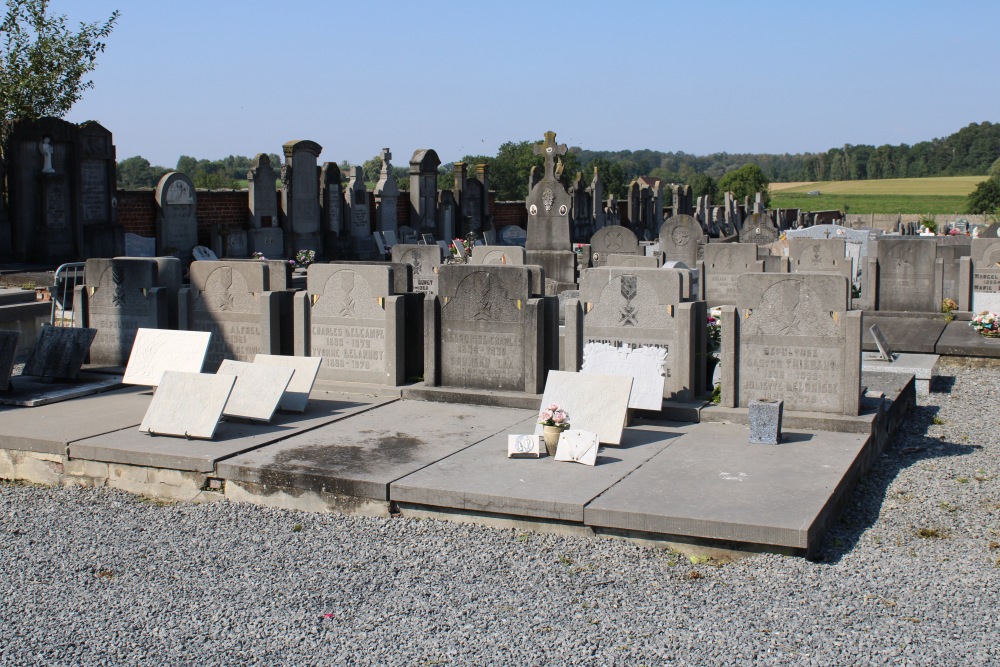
682	240
187	405
139	246
300	196
632	261
613	239
512	256
121	299
8	352
156	351
59	352
512	235
263	198
426	262
304	369
765	421
724	263
549	203
176	221
354	322
386	198
231	299
986	274
257	391
759	229
906	275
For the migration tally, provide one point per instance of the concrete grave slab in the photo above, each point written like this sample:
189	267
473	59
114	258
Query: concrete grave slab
959	339
257	391
922	366
130	447
159	350
296	395
50	428
709	483
29	392
59	352
482	479
187	405
904	334
361	456
595	403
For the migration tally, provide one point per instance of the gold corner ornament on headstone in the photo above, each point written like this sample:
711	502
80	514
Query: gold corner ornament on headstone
519	304
381	302
315	298
836	316
92	290
670	309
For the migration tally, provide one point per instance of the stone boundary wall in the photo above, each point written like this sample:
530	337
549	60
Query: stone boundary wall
889	221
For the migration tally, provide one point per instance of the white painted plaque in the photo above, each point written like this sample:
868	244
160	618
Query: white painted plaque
159	350
525	447
257	391
644	364
595	403
577	446
296	395
187	405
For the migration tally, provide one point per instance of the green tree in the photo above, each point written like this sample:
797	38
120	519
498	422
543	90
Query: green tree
994	171
43	62
136	172
985	198
703	184
747	181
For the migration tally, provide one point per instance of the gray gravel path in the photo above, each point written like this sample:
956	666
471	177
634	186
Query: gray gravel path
910	576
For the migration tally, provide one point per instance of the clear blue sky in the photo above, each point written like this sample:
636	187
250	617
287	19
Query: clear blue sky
217	77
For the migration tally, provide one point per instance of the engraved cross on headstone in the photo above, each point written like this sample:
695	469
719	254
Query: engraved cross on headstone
550	150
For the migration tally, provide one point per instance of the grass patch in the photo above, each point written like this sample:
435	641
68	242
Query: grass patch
871	203
955	186
929	533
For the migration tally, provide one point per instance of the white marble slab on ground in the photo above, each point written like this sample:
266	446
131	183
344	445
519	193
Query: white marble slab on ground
644	364
305	369
159	350
596	403
187	405
257	391
578	447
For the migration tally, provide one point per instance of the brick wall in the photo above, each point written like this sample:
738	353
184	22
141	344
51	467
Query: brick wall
510	213
226	208
137	212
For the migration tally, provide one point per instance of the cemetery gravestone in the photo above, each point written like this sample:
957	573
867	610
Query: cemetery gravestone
682	240
759	229
139	246
257	391
156	351
513	256
791	338
118	298
59	352
331	196
176	221
986	275
884	350
232	300
350	317
187	405
264	235
304	371
426	262
548	204
423	190
909	276
613	239
632	261
639	308
358	213
484	331
386	197
645	365
300	197
724	263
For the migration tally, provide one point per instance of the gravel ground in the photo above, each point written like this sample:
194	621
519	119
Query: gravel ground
909	576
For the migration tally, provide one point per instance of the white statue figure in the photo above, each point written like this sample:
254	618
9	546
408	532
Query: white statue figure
46	149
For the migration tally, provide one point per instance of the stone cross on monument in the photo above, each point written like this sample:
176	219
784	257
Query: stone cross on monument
386	157
549	203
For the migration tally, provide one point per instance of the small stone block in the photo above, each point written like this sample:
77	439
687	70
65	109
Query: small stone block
296	395
578	447
765	421
257	391
525	447
187	405
159	350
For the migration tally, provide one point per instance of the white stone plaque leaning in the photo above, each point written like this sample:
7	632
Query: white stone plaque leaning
525	447
577	446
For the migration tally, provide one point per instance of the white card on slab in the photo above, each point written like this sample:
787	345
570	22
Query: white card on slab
525	447
577	446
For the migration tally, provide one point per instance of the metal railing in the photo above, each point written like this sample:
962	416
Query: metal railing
66	278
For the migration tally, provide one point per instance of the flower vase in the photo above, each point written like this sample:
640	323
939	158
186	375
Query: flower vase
551	436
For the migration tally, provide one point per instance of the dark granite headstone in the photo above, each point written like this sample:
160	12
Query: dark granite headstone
759	229
59	352
300	197
176	222
8	352
682	240
613	239
907	278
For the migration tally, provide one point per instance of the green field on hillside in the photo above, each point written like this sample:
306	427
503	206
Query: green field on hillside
939	194
933	204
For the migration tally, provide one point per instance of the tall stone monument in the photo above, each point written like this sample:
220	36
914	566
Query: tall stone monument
423	192
358	213
548	243
264	235
386	196
176	219
300	197
331	205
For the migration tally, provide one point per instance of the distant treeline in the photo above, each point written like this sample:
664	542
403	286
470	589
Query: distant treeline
970	151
